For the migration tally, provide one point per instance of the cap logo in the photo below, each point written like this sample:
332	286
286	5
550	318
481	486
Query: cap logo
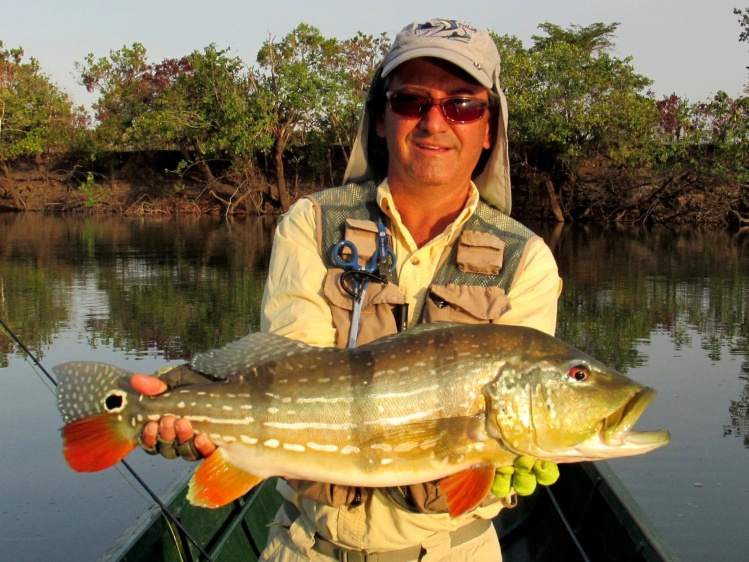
446	29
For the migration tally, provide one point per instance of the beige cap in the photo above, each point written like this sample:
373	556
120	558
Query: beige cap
475	52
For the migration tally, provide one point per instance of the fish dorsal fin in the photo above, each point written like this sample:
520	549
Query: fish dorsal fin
254	350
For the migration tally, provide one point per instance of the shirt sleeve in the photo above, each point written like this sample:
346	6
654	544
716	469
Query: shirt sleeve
293	302
535	292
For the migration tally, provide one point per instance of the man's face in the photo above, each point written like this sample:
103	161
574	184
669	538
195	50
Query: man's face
431	151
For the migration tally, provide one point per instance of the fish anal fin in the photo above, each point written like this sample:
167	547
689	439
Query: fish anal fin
466	489
218	481
93	443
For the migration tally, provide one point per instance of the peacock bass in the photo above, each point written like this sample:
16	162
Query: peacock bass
443	401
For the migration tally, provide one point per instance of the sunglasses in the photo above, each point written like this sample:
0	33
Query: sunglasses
459	109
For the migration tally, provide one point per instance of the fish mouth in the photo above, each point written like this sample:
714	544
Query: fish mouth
616	429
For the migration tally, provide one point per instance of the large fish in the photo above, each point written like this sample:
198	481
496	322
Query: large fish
442	401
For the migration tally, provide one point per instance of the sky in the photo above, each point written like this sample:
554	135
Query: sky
687	47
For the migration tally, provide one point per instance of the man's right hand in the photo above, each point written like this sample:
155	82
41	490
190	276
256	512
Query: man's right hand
171	437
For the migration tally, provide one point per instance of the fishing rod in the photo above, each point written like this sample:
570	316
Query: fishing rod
173	518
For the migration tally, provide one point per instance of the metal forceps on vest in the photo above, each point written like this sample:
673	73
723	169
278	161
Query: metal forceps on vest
356	277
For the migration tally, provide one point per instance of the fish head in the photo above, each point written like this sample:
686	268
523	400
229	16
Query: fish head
565	406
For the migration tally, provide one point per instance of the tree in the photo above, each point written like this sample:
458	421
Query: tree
570	101
126	86
350	74
293	86
36	117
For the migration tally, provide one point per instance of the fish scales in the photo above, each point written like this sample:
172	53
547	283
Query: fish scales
432	402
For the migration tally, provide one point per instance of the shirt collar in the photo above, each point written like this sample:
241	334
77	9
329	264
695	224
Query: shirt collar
387	205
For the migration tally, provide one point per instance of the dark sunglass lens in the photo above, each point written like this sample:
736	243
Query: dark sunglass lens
409	105
463	109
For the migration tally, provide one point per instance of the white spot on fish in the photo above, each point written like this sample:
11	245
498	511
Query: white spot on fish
214	436
349	449
386	461
405	447
294	447
323	448
325	400
154	417
247	440
382	446
140	418
227	408
272	443
310	425
324	379
273	410
229	439
180	404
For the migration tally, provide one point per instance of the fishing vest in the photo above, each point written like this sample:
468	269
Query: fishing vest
471	282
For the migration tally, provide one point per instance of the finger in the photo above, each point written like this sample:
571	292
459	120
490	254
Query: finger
183	429
150	386
166	428
204	445
149	433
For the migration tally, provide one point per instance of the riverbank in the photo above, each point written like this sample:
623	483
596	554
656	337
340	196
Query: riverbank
149	183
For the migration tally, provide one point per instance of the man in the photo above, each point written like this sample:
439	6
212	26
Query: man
430	163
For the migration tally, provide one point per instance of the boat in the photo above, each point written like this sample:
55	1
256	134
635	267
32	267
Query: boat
587	516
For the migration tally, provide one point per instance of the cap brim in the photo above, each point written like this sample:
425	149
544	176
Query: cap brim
440	53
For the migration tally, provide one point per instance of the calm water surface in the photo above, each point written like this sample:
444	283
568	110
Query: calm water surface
669	308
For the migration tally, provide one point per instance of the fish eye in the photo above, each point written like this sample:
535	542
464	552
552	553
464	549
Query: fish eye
578	373
114	401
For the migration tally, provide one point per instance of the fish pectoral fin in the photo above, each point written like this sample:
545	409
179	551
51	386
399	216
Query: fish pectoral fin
465	490
218	481
95	442
441	437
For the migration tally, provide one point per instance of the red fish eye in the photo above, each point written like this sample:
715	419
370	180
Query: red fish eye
578	373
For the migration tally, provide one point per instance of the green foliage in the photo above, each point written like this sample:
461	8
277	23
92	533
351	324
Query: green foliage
36	117
569	98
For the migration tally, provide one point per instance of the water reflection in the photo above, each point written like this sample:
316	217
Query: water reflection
653	303
177	286
622	283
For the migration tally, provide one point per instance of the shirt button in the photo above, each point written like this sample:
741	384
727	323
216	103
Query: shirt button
415	260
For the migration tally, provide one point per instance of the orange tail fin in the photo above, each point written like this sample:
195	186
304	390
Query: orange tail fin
217	481
93	443
466	489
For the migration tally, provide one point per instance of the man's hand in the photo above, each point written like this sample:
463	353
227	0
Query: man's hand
523	476
171	437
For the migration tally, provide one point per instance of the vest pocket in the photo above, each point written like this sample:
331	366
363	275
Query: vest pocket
377	318
470	304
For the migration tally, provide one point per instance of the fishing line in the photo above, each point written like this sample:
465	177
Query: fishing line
124	463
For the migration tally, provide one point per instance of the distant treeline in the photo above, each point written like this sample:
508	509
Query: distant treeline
588	140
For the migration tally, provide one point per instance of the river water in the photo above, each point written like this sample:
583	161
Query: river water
668	307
